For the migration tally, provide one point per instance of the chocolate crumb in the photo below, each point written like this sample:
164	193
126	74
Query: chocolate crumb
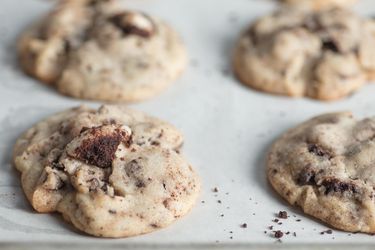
275	220
329	231
298	220
215	190
219	201
244	225
278	234
283	215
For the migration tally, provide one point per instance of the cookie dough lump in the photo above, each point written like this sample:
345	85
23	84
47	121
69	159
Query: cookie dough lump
111	172
324	55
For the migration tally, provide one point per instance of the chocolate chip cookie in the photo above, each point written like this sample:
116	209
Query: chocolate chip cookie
320	4
326	167
111	172
325	54
93	49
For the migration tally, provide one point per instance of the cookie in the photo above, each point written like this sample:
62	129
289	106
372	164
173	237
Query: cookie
111	172
326	167
324	55
93	49
320	4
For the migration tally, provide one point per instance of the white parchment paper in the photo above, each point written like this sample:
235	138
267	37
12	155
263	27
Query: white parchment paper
228	129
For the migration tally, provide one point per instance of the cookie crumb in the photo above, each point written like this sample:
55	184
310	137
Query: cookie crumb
283	215
278	234
329	231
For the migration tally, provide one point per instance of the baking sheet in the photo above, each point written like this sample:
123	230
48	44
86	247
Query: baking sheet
227	126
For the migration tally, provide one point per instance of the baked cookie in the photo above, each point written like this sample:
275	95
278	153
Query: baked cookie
93	49
111	172
324	55
320	4
326	166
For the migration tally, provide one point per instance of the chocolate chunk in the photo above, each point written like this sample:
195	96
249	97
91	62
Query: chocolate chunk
155	143
278	234
104	187
140	184
335	185
99	150
306	177
58	166
122	22
315	149
330	46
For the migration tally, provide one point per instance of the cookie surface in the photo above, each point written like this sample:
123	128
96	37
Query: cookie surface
326	167
320	4
93	49
111	172
324	55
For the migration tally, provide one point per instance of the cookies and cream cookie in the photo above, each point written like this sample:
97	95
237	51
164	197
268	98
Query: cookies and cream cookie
326	166
93	49
111	172
324	54
320	4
